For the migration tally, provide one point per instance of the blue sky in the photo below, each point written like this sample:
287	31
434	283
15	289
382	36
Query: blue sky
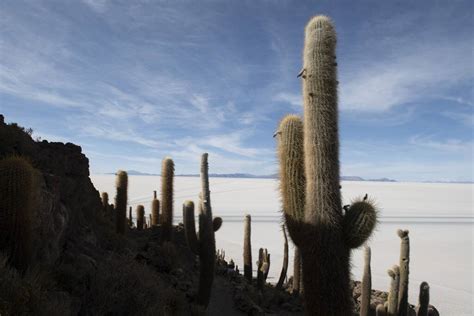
134	81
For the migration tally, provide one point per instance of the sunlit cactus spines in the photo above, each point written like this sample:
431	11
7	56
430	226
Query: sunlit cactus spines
404	272
248	248
155	210
423	300
366	291
320	232
17	184
359	222
121	202
140	212
392	306
166	218
284	267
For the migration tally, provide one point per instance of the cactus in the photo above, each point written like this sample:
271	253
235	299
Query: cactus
297	271
140	211
105	202
205	245
381	310
16	210
265	265
130	219
423	300
247	248
284	268
155	210
311	199
404	272
366	292
167	175
392	306
121	202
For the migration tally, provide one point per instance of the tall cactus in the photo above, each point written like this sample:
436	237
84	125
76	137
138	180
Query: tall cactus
205	245
366	285
392	306
16	210
284	268
140	217
130	219
424	300
404	272
121	202
248	248
311	200
167	177
155	210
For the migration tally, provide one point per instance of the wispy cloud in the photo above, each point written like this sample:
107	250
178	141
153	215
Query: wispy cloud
449	145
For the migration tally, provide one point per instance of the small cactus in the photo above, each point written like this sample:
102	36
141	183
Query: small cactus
404	272
205	245
130	219
155	210
284	268
140	217
366	292
424	300
263	265
247	248
105	201
167	177
16	210
392	306
121	202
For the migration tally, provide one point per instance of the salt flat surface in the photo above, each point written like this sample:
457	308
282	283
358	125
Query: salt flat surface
440	218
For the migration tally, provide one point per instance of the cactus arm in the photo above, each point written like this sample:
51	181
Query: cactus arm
216	223
424	300
366	285
121	201
292	178
392	301
359	222
190	226
284	268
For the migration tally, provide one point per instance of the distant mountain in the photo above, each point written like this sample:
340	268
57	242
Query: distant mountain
249	176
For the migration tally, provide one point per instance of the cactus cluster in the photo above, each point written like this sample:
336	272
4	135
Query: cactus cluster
309	182
205	245
16	210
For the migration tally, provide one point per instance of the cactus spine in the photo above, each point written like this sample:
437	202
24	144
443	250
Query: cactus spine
247	248
314	218
121	202
404	272
366	285
16	211
392	306
424	300
167	175
205	246
140	217
155	210
284	268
